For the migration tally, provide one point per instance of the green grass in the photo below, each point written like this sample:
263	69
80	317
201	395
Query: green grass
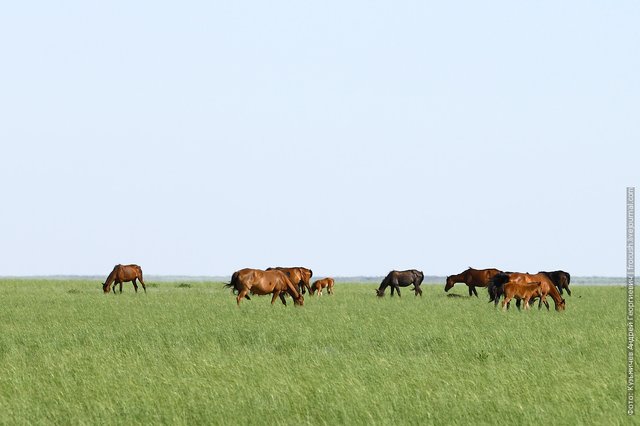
185	354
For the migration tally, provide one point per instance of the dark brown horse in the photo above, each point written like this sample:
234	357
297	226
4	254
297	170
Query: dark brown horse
299	276
256	281
560	279
318	285
397	279
124	273
499	281
472	278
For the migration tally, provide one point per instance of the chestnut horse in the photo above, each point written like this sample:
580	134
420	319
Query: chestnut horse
318	285
496	287
521	292
472	278
124	273
397	279
299	277
256	281
560	279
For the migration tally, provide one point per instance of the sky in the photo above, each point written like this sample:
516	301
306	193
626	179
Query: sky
202	137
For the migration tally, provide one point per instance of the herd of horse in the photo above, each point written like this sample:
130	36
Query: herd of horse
524	288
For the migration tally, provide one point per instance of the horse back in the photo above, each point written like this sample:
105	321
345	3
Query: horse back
480	277
128	272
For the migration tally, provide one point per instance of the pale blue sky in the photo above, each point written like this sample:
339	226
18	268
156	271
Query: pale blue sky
353	137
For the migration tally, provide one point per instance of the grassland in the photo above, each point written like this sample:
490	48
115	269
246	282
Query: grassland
185	354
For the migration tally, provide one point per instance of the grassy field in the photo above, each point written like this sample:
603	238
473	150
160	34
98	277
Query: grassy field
185	354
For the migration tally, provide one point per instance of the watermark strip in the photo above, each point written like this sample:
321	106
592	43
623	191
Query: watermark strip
631	273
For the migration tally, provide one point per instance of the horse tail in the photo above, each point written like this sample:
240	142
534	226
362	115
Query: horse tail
233	283
568	275
139	270
496	286
500	279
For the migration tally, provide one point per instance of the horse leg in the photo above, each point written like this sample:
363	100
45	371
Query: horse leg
144	287
276	293
398	290
470	288
284	302
568	291
473	287
135	285
505	303
242	293
418	291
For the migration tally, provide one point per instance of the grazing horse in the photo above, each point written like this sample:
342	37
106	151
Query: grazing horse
123	273
318	285
560	279
299	277
521	292
397	279
496	287
256	281
472	278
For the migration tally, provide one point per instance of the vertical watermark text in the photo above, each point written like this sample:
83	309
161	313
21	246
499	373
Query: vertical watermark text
631	273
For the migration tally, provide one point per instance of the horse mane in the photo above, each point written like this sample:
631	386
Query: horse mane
386	279
555	294
112	276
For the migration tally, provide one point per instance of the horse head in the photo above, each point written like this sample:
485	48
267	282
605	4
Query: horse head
561	306
104	288
298	301
450	282
379	292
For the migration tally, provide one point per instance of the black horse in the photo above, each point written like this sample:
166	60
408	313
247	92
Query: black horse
397	279
496	287
560	279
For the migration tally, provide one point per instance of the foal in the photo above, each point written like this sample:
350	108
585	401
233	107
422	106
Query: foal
522	292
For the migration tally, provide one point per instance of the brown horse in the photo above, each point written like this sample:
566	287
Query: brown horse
124	273
546	286
472	278
256	281
560	279
521	292
318	285
298	275
397	279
